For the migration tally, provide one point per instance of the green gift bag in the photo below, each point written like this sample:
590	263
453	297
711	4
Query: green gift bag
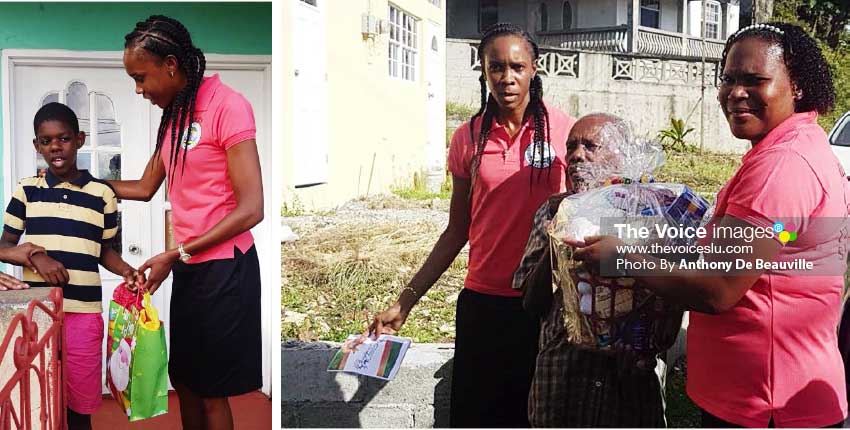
137	362
149	368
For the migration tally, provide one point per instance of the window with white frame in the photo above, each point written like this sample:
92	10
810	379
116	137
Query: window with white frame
712	20
488	13
403	43
650	13
567	16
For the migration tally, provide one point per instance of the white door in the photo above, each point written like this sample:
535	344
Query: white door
309	95
122	128
435	79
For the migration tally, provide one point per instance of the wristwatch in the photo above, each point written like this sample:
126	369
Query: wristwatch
184	256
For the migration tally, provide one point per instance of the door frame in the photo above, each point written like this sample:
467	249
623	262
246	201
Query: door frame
12	58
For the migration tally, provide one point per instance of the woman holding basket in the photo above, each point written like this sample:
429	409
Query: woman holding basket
762	347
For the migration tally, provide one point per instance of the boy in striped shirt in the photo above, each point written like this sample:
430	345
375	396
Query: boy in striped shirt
74	217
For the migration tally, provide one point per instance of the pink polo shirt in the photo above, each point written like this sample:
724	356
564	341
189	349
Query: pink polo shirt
202	194
775	353
506	194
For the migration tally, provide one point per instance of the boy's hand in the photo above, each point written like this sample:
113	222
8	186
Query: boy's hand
52	271
11	283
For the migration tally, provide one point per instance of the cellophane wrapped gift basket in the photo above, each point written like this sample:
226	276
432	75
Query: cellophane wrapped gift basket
614	313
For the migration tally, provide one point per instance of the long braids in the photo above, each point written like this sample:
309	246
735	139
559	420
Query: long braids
488	108
164	36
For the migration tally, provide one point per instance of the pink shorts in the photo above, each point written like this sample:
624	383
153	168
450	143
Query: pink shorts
83	361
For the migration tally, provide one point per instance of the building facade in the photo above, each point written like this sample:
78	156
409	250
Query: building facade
365	98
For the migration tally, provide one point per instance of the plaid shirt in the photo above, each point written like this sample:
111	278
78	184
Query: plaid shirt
582	388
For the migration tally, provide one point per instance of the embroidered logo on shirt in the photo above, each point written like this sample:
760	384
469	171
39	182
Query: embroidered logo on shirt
533	157
194	137
787	233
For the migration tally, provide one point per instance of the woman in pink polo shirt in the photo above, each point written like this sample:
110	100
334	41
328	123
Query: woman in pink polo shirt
762	346
504	162
206	148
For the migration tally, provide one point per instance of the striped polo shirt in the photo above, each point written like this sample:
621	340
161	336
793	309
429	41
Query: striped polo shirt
70	220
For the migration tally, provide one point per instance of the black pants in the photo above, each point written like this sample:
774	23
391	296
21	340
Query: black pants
711	421
495	350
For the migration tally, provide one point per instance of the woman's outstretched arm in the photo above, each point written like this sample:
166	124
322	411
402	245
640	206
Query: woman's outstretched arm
145	188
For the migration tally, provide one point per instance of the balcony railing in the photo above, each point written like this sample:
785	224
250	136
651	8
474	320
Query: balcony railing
649	41
36	383
605	39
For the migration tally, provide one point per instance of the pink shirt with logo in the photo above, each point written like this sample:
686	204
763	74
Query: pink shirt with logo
775	353
506	194
200	191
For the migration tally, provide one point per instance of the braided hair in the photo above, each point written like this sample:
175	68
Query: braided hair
164	36
489	107
807	67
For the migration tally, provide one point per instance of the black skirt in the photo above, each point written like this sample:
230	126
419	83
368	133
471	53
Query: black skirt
495	348
216	334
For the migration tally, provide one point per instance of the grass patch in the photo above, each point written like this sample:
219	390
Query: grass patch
459	112
337	277
418	190
704	173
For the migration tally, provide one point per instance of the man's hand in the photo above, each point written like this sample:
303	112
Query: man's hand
52	271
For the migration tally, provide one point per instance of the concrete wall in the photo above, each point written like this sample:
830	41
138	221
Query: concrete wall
647	105
376	125
418	397
313	397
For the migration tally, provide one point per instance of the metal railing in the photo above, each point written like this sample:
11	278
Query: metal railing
35	356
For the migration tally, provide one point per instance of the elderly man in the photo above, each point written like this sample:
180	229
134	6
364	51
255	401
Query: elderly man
572	387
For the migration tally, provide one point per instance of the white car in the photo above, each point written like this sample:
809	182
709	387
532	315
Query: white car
839	140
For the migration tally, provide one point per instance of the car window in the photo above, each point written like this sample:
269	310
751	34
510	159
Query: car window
841	136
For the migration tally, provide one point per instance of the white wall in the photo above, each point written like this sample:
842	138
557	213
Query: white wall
732	19
695	19
556	13
670	15
596	13
623	16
